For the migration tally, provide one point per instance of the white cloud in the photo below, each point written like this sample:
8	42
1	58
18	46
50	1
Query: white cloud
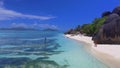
10	14
6	14
34	25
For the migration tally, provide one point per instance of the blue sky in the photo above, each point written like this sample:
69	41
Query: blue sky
58	14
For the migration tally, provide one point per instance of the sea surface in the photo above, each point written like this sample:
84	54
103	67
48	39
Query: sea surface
43	49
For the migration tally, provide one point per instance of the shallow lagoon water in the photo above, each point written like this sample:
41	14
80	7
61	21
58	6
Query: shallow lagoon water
30	49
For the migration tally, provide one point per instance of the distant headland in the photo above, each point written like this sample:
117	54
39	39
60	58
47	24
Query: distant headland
17	28
22	28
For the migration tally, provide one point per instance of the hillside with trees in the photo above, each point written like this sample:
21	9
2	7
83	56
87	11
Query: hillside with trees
88	29
105	29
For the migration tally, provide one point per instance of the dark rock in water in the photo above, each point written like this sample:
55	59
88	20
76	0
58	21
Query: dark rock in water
29	63
13	61
107	13
117	10
109	33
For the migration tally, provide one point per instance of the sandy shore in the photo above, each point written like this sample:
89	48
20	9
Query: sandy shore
108	54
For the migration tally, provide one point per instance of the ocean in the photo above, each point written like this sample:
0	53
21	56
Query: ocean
43	49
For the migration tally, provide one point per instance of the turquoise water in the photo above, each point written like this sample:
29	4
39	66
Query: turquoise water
28	49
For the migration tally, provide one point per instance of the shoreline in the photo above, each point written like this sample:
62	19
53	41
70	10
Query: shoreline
108	54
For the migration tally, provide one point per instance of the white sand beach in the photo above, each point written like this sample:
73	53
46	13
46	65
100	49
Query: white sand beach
108	54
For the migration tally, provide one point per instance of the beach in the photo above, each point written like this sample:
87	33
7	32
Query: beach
108	54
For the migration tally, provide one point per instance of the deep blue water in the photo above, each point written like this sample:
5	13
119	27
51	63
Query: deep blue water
43	49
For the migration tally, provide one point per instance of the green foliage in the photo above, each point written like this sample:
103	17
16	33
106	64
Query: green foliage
98	23
85	28
74	31
78	28
90	29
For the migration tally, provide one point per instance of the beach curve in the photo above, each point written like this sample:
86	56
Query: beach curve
108	54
